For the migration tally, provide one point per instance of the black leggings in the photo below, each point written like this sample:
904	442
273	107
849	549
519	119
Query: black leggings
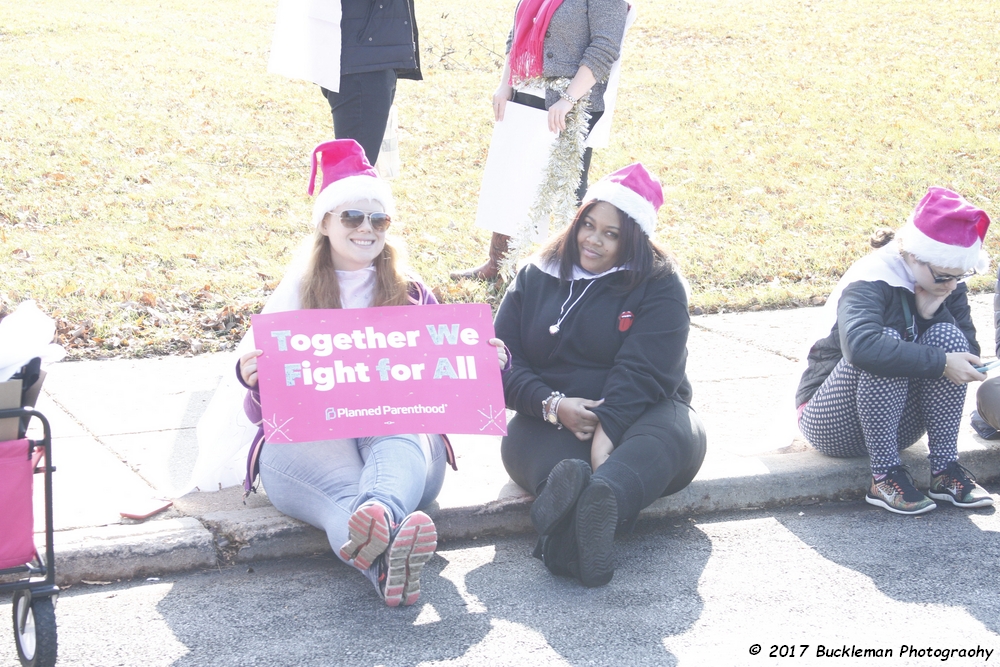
658	455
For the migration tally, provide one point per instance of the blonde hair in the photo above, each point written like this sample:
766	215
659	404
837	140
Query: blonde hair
320	289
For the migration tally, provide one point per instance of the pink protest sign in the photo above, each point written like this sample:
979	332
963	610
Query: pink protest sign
378	371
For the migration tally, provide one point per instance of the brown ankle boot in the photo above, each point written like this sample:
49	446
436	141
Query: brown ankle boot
491	269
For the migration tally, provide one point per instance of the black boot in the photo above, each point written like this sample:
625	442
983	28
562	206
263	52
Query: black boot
595	520
557	551
566	481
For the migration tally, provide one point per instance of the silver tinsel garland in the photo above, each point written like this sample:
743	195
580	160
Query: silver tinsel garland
555	200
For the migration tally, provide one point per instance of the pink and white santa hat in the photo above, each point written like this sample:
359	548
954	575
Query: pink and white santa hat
347	177
947	231
633	190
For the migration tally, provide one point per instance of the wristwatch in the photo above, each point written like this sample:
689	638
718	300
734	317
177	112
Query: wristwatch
550	408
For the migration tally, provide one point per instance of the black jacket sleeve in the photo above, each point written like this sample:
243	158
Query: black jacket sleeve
523	390
650	365
864	310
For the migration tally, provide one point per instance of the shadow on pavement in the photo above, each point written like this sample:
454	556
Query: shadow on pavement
937	558
481	603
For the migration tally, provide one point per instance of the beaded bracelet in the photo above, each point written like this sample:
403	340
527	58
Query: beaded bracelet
550	408
566	96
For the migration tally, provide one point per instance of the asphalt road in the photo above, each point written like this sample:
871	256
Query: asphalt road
698	591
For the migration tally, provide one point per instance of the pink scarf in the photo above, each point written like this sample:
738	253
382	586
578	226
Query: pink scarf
531	20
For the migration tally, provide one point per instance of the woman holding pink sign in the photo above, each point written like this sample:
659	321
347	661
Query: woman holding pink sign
366	493
597	325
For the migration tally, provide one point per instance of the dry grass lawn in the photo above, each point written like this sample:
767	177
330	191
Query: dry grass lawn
152	174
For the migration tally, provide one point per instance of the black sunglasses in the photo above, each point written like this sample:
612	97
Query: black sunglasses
943	278
353	218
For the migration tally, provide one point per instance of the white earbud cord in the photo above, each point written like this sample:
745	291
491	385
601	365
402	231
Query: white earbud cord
554	329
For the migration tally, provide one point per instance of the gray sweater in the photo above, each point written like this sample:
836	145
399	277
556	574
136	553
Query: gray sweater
583	32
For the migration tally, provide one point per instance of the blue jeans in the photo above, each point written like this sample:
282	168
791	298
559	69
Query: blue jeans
324	482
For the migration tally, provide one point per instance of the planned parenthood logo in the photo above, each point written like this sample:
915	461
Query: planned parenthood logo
386	410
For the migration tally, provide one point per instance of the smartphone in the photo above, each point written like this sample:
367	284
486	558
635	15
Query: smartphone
988	367
143	509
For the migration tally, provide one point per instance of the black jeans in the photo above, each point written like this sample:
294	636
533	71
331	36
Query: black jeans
658	455
361	108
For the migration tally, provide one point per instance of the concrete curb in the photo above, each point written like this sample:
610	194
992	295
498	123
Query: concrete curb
109	553
247	535
138	452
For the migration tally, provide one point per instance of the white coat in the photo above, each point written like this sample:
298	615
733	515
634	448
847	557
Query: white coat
306	42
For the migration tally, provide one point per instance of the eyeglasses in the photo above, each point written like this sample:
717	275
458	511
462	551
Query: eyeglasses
353	218
943	278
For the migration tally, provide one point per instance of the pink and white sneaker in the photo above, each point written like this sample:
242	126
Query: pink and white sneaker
369	529
413	544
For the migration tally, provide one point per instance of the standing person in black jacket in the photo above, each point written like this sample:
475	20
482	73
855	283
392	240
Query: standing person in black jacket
597	327
899	356
378	45
354	50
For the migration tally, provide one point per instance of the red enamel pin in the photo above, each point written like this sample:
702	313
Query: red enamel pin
625	320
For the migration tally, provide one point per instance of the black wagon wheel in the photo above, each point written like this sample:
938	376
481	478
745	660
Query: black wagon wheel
34	630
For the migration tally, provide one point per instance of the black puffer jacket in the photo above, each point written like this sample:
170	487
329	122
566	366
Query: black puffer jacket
379	35
865	308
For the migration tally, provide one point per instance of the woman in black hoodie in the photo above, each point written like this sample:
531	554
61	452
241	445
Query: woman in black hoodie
597	327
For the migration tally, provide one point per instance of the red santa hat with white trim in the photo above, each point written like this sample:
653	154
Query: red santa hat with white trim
947	231
633	190
347	177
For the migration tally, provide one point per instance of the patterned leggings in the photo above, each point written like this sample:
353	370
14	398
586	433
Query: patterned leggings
855	412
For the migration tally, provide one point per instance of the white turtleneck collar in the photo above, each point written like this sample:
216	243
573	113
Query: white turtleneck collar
357	288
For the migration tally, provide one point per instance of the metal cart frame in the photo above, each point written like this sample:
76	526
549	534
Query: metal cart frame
34	595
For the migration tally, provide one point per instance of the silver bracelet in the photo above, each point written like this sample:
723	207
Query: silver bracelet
550	408
566	96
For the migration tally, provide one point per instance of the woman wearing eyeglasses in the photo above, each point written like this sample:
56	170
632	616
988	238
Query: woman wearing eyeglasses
364	492
899	355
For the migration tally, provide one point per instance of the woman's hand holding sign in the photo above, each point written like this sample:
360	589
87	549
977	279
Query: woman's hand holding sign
501	351
248	367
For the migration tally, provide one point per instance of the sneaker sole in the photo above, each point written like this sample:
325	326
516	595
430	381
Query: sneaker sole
411	548
596	520
878	502
566	481
368	529
982	502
